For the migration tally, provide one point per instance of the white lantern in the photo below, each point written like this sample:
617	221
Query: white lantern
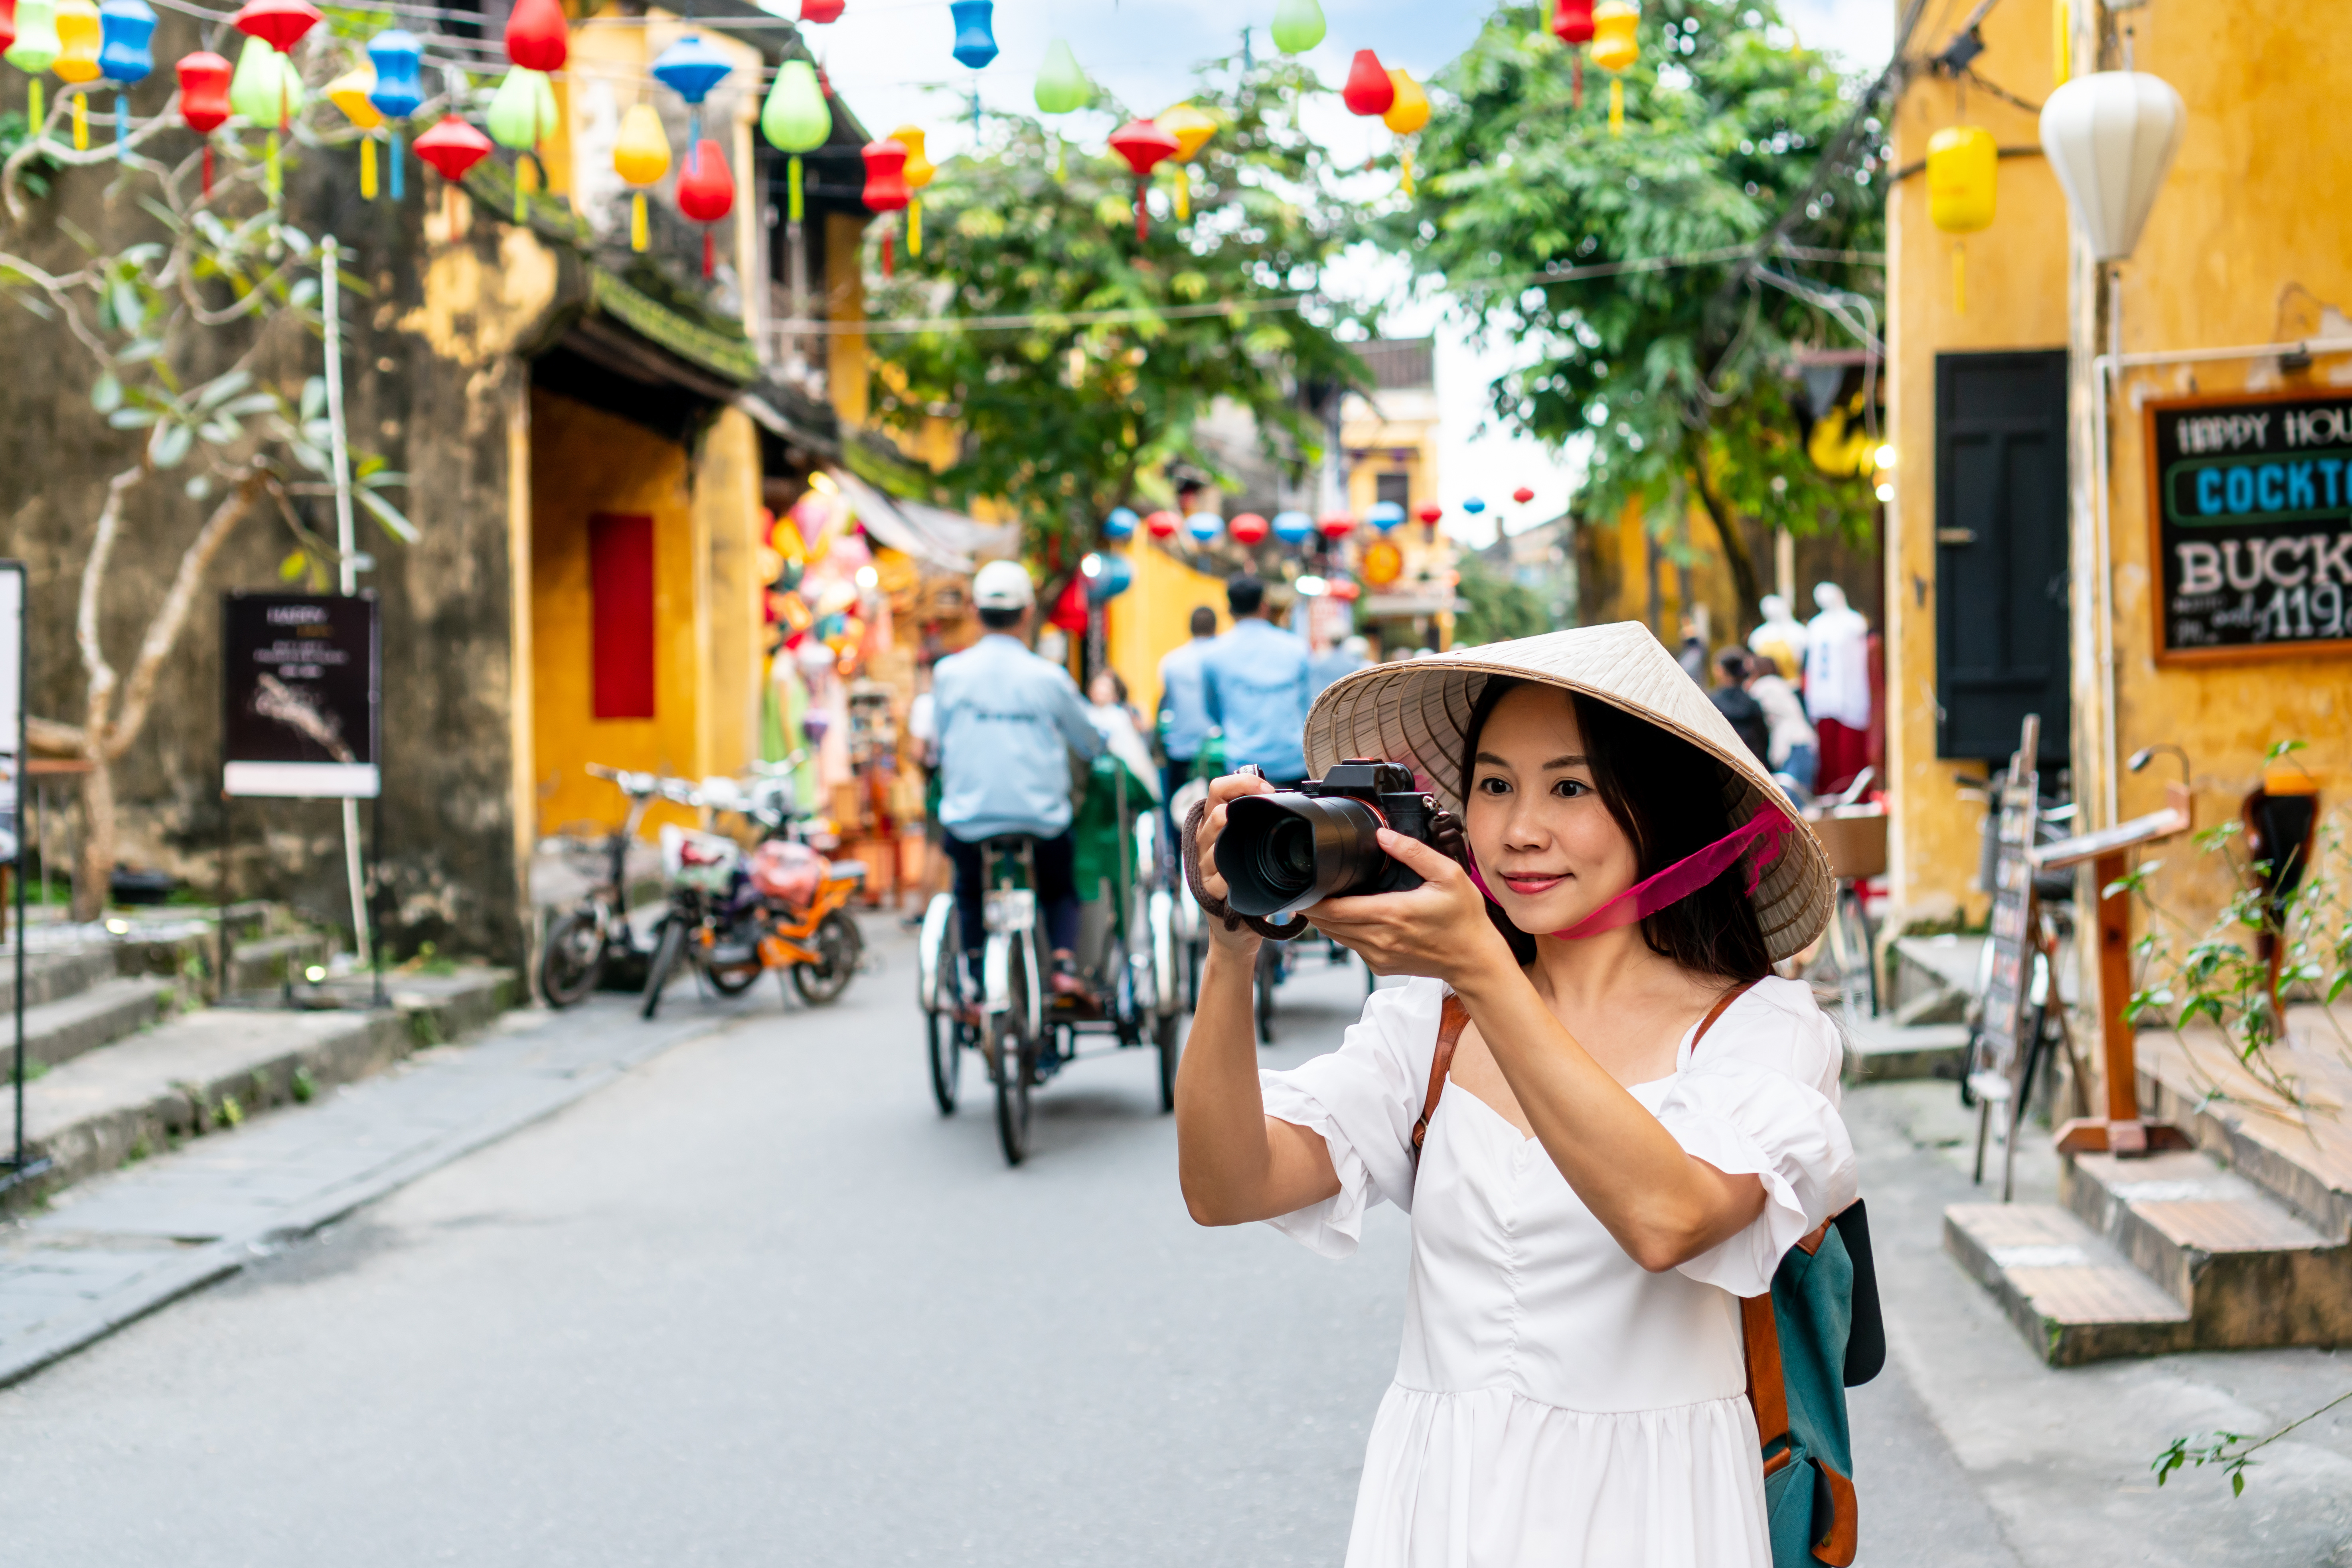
2111	136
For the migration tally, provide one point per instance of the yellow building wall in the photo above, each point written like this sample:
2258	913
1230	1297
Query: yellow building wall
1621	552
1154	616
2015	274
2245	246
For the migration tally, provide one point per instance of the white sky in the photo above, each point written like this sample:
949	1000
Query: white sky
890	59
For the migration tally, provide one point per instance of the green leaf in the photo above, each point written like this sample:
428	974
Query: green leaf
293	566
106	392
132	418
220	432
314	399
394	522
170	445
198	487
2237	1483
220	389
142	349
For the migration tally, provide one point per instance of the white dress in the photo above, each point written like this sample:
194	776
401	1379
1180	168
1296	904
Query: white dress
1555	1403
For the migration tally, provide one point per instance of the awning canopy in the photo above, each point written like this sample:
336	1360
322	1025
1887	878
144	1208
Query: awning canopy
944	539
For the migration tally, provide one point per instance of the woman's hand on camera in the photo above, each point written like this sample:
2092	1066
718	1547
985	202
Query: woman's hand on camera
1221	791
1439	929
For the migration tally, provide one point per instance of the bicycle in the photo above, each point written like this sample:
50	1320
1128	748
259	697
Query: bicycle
583	941
1854	837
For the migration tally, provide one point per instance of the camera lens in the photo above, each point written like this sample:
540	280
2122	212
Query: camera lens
1289	850
1287	855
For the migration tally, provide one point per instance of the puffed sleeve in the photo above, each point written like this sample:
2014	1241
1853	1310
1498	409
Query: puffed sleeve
1363	1098
1760	1097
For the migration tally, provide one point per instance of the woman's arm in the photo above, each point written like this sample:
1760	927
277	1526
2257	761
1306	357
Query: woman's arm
1235	1163
1664	1205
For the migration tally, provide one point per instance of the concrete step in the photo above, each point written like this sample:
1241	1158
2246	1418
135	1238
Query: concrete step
1880	1048
214	1067
268	964
1930	979
52	976
2074	1297
2303	1158
56	1032
2251	1272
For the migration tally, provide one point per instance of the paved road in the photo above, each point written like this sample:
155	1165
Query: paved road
758	1303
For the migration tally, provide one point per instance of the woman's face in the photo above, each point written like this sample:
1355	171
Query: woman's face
1545	843
1100	692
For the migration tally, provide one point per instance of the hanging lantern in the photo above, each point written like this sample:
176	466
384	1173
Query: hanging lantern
885	186
1369	90
1120	524
7	25
918	174
1963	163
452	147
975	45
1429	514
125	56
705	193
1205	527
1297	25
34	51
2110	137
1162	524
1144	145
1248	530
348	92
795	120
1335	526
1192	130
1571	24
640	156
396	54
690	68
821	11
1473	506
280	24
1384	516
1407	114
204	99
266	91
1293	527
1062	85
1523	495
538	37
1614	49
522	114
79	36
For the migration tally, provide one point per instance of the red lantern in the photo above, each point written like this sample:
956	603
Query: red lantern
1248	528
1335	525
1371	89
1070	609
536	38
705	192
821	10
7	23
886	184
1523	495
280	24
452	147
1143	144
1428	514
1162	524
203	99
1572	23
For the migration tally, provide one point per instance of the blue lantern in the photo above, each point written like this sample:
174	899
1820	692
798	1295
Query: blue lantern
124	27
1473	506
1120	524
1293	527
396	54
1107	576
1205	526
690	68
975	45
1385	515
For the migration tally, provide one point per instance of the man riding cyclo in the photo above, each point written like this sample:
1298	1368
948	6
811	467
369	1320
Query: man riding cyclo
1007	722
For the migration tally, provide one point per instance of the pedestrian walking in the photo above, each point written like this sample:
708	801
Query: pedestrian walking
1632	1118
1184	721
1255	685
1792	751
1740	708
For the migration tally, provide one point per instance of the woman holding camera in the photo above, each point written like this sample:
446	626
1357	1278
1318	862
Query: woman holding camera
1634	1119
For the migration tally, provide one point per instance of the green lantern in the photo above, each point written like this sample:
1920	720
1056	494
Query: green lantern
522	111
1297	25
796	119
1062	87
35	51
267	90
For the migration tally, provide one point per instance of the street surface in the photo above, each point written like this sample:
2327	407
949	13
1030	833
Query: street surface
757	1302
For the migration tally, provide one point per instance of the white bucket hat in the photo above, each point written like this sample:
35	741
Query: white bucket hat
1418	712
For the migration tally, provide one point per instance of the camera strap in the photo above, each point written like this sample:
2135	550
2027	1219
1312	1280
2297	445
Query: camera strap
1681	879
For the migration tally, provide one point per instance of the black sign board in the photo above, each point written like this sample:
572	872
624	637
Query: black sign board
302	695
2251	524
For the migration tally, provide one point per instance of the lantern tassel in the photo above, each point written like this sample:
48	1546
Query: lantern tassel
888	271
915	227
709	253
208	168
639	238
398	190
367	168
793	187
271	173
121	128
1061	176
1960	278
1405	155
1616	106
1578	91
1183	195
1142	213
81	122
33	117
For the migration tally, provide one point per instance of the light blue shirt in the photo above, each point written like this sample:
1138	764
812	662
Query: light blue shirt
1329	667
1183	699
1255	686
1007	722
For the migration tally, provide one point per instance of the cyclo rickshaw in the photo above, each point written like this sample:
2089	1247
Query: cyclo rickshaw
1024	1032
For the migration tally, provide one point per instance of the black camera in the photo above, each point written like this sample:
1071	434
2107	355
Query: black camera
1281	853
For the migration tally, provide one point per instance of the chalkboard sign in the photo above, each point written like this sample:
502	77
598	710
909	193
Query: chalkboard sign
2251	524
302	695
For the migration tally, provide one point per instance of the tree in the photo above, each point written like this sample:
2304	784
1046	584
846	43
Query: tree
1122	344
1745	160
1501	607
220	278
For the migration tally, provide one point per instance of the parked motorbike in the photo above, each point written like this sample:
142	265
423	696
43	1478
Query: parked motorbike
594	934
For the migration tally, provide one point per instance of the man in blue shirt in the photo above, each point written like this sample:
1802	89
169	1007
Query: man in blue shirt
1255	684
1007	722
1183	707
1331	664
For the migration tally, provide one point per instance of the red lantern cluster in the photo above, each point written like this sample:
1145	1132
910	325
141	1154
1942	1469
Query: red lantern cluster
1370	90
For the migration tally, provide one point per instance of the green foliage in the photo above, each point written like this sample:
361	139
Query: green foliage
38	173
1501	607
1066	419
2232	1451
1683	372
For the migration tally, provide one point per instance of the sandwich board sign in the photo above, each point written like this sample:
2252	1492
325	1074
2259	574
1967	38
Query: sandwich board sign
302	696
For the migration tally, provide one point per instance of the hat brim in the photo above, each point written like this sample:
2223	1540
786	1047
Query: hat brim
1418	712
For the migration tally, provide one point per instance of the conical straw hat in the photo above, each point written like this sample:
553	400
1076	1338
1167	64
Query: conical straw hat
1418	711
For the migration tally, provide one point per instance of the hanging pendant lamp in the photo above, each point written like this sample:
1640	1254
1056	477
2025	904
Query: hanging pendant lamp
2110	136
795	120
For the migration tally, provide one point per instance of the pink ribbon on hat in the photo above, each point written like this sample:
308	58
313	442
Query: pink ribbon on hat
1679	880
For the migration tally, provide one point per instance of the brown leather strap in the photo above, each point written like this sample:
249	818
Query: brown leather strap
1188	851
1452	1019
1768	1395
1844	1538
1722	1004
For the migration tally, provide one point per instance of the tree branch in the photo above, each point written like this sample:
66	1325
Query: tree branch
86	617
164	629
1735	545
57	740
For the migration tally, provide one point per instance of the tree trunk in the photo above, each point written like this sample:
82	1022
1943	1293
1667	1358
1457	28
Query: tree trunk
94	866
1735	544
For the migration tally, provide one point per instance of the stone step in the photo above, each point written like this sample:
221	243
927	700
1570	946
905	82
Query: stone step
56	1032
2303	1158
2074	1297
1877	1049
2251	1272
269	963
52	976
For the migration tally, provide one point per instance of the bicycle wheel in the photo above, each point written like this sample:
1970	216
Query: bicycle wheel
574	958
668	950
735	979
1857	980
838	944
947	1059
1012	1053
1168	1039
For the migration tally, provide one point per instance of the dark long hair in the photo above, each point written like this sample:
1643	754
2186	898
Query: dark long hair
1673	800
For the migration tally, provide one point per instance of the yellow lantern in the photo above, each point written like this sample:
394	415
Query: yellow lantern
640	156
1192	130
919	172
1407	114
1615	50
79	34
1962	176
350	93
